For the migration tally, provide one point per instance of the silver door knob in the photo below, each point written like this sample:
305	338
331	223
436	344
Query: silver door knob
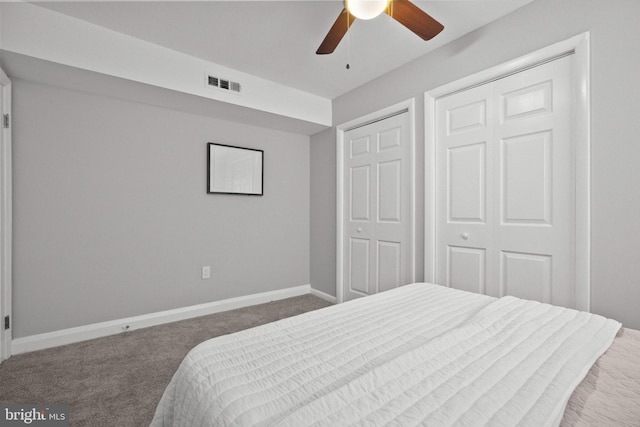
465	236
359	230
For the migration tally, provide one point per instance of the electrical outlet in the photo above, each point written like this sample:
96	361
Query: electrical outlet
206	272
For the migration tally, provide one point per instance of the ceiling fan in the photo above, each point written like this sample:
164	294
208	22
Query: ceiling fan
403	11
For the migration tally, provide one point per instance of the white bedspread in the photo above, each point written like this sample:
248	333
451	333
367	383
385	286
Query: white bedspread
421	354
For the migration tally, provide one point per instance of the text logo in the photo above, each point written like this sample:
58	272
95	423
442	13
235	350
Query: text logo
34	415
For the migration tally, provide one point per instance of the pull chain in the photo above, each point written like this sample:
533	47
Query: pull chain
348	51
348	43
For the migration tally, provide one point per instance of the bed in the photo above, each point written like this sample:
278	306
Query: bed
421	354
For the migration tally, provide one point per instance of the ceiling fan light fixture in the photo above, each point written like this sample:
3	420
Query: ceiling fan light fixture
403	11
366	9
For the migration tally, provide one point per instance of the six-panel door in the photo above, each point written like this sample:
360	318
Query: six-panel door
377	207
505	190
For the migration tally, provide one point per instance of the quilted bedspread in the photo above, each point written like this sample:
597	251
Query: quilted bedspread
421	354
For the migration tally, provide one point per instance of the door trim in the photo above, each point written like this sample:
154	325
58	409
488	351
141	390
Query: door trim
409	106
5	218
579	47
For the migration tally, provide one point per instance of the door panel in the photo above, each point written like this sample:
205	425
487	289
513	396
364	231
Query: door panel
466	183
526	179
378	193
360	146
467	117
389	191
466	269
359	266
513	200
359	193
526	276
390	139
527	101
389	265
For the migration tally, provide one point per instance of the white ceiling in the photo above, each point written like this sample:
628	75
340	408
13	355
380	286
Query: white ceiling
277	40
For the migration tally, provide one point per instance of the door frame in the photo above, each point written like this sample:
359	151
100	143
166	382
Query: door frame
580	48
409	106
5	217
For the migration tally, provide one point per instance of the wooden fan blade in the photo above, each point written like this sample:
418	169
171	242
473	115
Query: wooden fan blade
336	33
414	18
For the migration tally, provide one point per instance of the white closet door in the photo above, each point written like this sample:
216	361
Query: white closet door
5	215
377	253
465	189
506	186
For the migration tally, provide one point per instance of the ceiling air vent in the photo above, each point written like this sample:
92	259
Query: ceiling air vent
222	84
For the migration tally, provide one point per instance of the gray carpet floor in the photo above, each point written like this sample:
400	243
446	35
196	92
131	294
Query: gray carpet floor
118	380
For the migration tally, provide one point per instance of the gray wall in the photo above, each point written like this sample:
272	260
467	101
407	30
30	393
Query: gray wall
615	67
112	219
323	212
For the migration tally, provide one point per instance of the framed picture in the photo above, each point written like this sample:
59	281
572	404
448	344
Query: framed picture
234	170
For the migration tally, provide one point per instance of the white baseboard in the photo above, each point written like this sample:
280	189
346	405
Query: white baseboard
112	327
324	296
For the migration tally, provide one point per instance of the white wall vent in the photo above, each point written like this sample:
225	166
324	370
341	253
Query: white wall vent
222	84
